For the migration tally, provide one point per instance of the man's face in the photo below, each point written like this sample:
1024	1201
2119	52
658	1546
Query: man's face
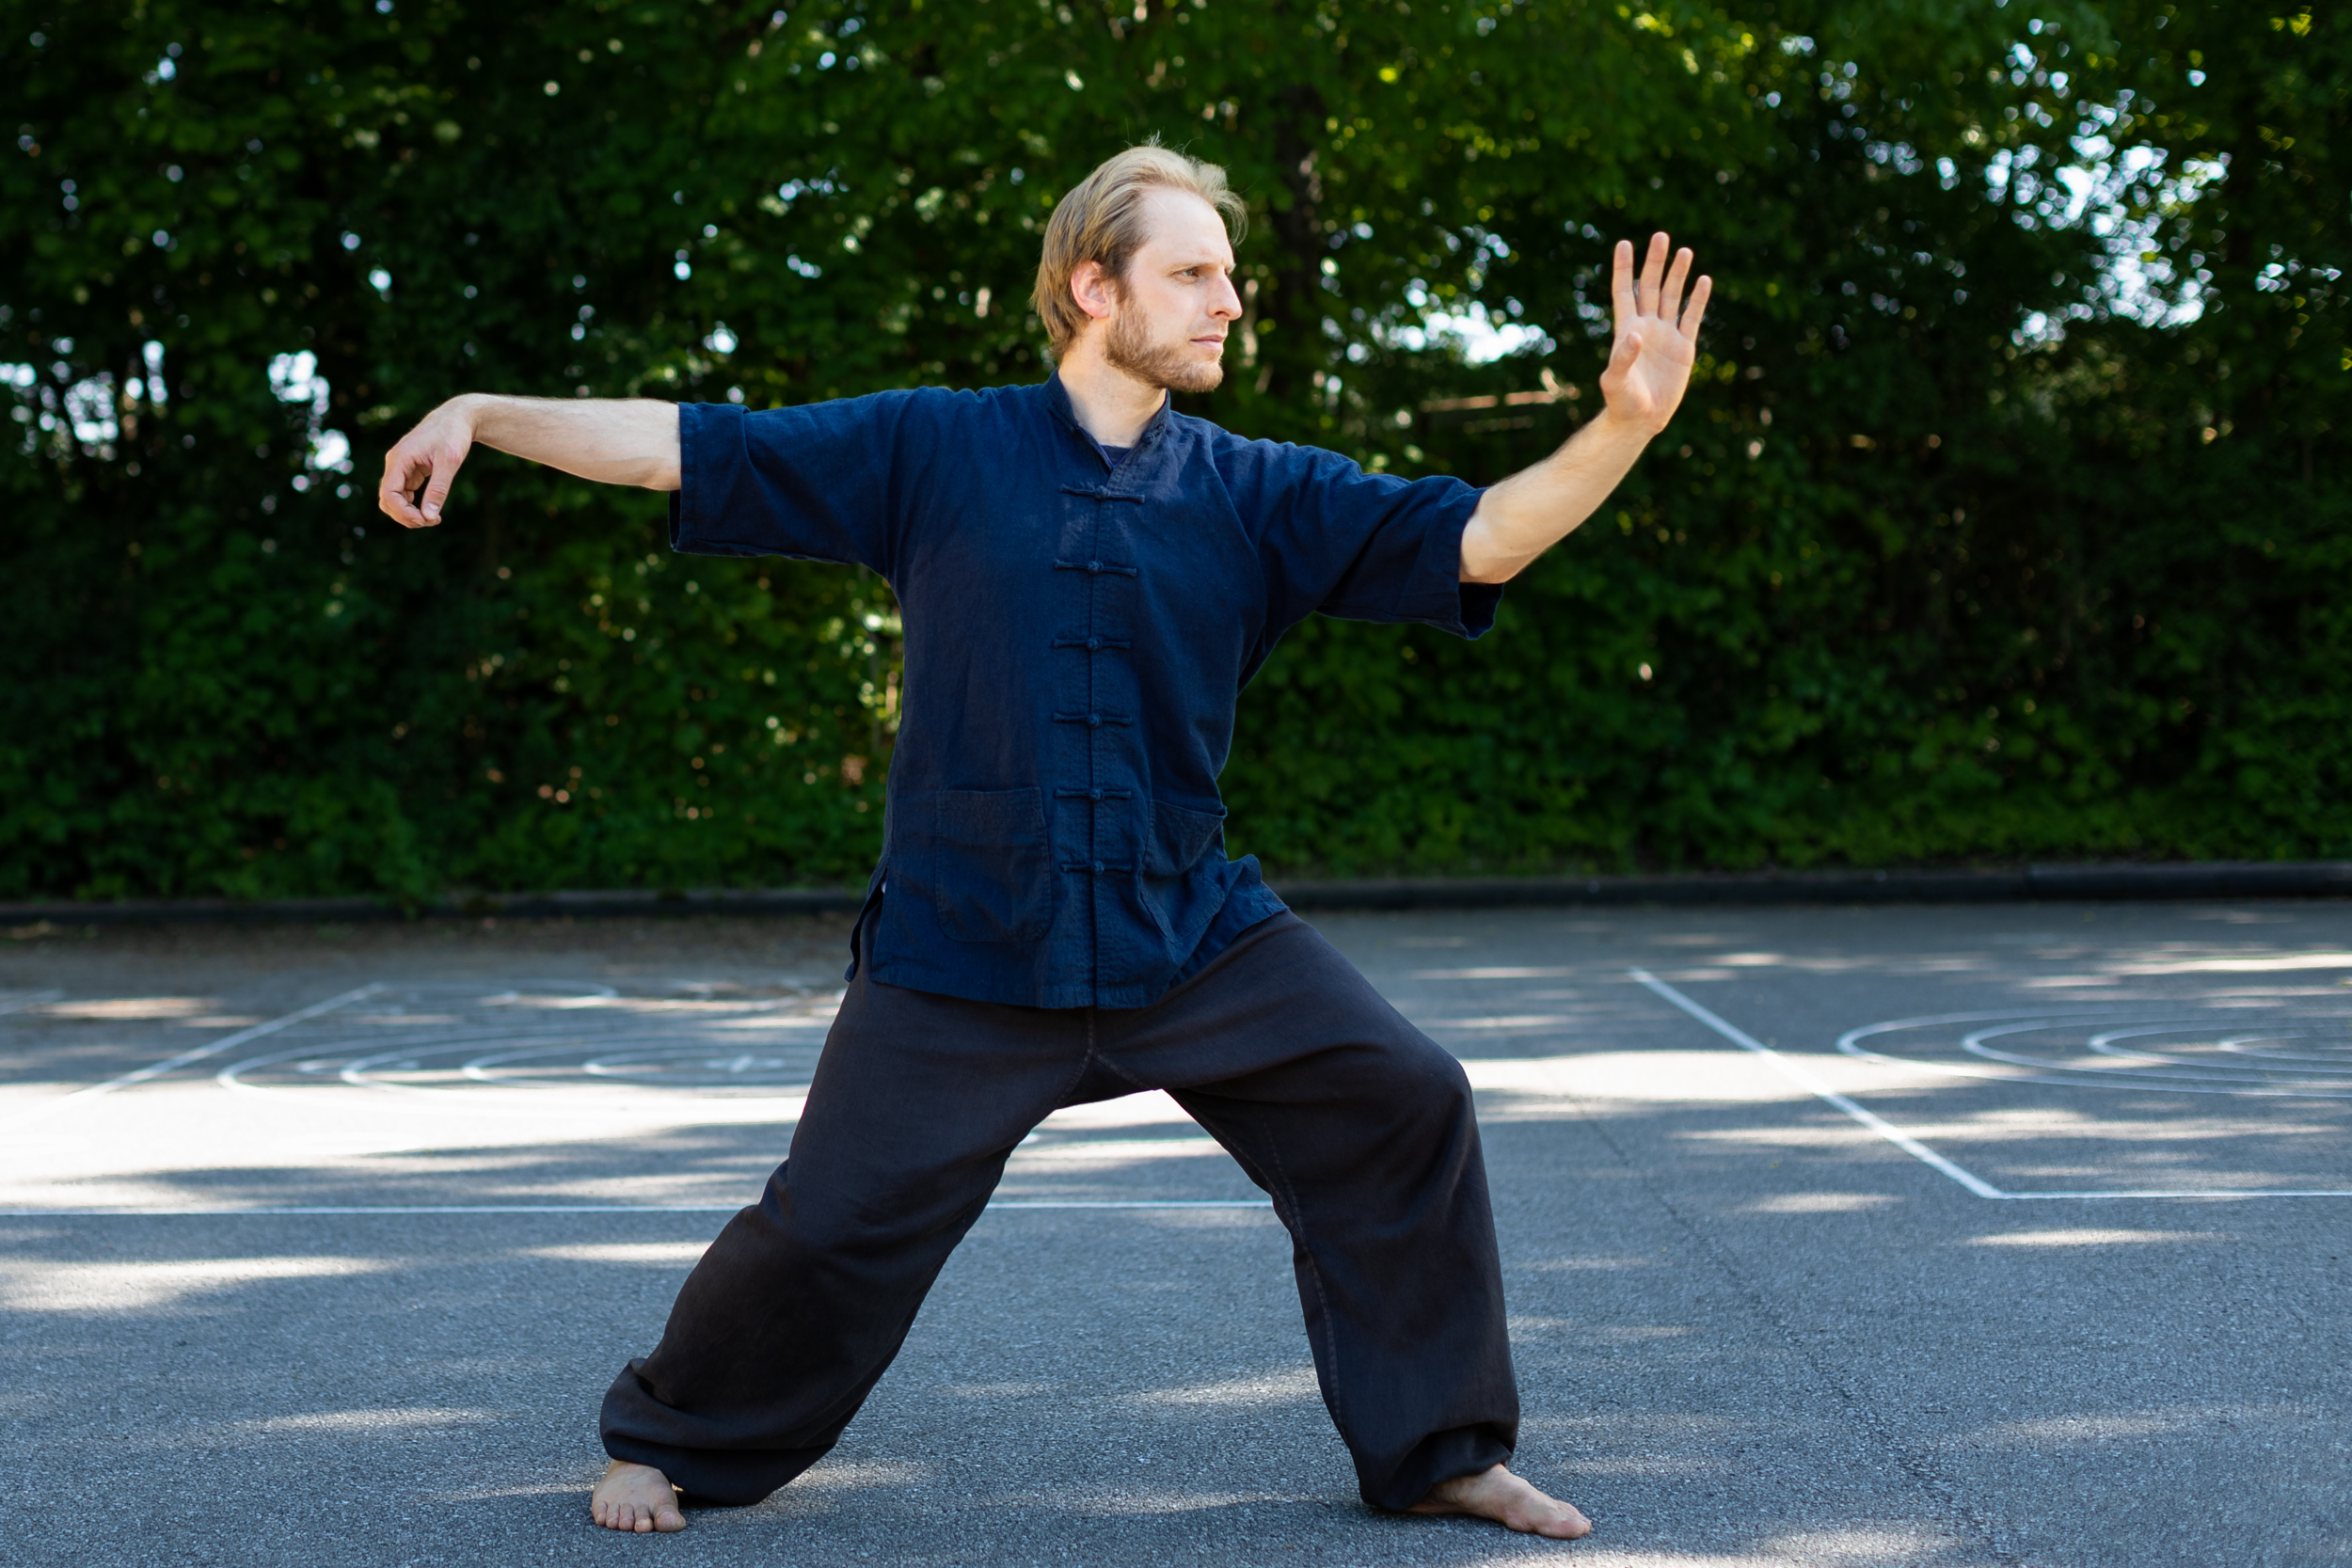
1169	313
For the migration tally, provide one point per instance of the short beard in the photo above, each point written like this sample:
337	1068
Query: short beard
1164	365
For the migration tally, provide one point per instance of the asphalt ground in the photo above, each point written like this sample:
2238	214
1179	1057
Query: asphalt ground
2045	1265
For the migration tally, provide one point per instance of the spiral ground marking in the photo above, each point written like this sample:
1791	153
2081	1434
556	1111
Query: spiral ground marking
1849	1043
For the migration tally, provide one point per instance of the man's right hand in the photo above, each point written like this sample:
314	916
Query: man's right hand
418	470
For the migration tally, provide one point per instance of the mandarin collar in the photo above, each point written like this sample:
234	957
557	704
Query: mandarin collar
1058	404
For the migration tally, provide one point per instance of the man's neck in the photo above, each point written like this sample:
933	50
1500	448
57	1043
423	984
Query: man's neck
1109	404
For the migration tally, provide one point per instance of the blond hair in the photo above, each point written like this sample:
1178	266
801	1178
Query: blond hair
1101	220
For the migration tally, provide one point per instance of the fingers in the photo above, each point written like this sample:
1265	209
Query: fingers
429	455
1619	388
404	469
1659	289
1645	292
402	474
446	462
1697	311
1670	298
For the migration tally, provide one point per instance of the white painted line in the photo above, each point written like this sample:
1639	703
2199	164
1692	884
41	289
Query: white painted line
2170	1077
1850	1044
1813	1085
373	1209
1146	1203
576	1209
2214	1196
1912	1146
198	1054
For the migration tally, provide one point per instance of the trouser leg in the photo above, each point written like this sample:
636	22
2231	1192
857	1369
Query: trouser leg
1362	1132
799	1307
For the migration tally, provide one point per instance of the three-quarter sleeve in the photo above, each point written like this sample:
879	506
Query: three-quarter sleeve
1360	546
816	482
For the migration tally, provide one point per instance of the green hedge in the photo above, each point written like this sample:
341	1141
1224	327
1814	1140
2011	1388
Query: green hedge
2007	517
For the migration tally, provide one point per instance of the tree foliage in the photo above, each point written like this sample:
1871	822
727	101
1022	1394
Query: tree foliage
2004	519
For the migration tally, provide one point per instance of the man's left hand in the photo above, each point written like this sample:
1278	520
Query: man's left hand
1658	335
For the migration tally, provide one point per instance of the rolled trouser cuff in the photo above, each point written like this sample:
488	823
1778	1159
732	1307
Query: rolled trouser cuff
1441	1457
728	1476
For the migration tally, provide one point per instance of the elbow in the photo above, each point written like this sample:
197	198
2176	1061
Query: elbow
1486	567
1483	558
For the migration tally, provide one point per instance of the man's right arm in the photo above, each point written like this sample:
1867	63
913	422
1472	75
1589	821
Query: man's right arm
611	441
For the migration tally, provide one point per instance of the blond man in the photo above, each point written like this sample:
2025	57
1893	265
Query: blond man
1088	579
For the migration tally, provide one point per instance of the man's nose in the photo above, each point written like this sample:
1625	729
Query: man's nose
1228	304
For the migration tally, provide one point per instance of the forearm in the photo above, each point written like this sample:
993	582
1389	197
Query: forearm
608	440
1535	508
612	442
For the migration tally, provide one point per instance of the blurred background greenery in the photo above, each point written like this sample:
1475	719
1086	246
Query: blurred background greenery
2005	518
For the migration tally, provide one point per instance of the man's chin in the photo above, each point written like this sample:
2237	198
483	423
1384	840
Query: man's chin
1197	378
1170	368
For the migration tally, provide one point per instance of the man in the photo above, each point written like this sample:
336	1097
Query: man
1088	579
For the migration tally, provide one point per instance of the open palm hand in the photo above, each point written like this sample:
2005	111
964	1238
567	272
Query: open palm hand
1658	334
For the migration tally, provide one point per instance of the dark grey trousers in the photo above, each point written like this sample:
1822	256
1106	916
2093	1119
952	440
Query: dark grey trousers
1356	1124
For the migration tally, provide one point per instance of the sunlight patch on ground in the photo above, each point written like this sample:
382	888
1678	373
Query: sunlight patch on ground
666	1253
1154	1109
364	1423
134	1287
1267	1388
1854	1546
1090	1154
1651	1076
1816	1203
1652	1464
2240	965
118	1009
2088	1236
839	1475
2122	1426
998	1390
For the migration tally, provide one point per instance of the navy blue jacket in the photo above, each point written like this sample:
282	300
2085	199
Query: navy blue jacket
1078	629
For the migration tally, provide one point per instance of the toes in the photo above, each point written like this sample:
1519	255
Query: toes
637	1518
1566	1526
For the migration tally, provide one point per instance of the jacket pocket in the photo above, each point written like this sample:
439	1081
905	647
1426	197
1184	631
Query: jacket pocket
991	877
1180	836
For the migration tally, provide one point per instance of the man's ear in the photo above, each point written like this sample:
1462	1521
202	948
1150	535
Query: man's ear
1091	286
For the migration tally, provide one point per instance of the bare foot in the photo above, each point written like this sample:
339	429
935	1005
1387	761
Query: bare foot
641	1498
1500	1495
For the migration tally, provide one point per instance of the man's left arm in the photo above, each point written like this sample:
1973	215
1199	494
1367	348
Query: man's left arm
1649	367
